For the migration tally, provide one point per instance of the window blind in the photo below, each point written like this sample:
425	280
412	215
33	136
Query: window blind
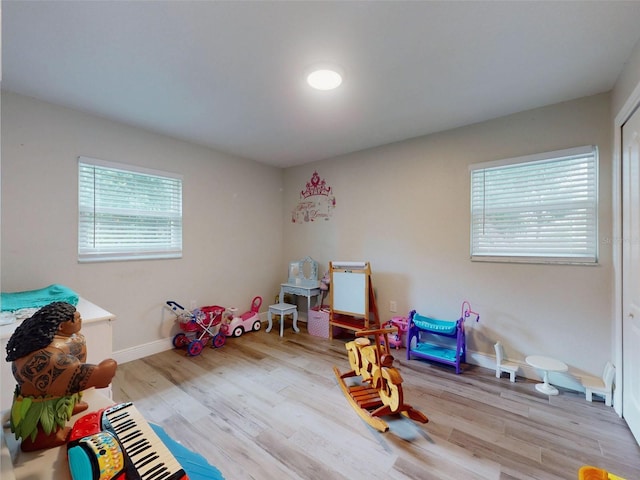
540	208
127	212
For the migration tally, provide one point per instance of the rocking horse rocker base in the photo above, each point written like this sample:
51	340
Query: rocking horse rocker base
380	392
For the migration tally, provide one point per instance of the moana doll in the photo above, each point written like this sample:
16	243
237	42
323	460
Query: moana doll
48	355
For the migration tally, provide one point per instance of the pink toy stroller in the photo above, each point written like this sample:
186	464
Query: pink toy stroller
200	325
396	340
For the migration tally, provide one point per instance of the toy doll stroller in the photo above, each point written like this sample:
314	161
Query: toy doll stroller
198	327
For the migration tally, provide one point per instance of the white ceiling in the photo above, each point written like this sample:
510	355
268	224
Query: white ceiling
230	75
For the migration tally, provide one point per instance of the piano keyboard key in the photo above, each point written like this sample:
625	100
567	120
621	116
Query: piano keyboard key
150	457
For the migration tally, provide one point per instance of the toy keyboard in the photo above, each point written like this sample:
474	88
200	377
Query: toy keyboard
117	443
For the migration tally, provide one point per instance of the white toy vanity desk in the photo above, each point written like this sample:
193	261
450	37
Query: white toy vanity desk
302	281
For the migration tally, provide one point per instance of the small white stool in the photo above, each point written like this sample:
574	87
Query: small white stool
283	309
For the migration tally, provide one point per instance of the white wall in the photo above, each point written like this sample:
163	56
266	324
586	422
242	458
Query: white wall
232	220
627	81
405	208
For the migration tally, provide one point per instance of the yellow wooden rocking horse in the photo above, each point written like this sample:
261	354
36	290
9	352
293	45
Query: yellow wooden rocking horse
380	392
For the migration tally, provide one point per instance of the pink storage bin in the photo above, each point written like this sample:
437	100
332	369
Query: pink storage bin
318	321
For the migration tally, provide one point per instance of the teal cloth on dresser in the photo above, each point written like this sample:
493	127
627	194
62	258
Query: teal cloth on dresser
10	302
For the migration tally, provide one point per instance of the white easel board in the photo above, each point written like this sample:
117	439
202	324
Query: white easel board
350	288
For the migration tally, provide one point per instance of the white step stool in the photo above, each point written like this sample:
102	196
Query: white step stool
283	309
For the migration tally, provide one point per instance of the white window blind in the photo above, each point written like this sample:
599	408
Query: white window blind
127	212
540	208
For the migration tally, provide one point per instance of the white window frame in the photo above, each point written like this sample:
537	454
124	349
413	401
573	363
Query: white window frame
542	219
112	227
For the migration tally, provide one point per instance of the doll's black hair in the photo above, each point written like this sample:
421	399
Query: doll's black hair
38	331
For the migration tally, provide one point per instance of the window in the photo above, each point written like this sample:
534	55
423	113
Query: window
127	213
540	208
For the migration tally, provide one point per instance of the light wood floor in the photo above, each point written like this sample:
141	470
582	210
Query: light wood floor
264	407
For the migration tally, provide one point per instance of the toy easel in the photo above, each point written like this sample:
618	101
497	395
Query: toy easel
352	298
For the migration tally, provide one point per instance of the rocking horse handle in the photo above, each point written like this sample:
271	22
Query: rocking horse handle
376	332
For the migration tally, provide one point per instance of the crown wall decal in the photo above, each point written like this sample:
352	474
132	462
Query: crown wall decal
316	186
316	201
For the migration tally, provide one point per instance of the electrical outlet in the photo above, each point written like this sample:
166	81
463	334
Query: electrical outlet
194	305
393	306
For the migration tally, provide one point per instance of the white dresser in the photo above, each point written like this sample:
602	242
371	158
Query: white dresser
96	328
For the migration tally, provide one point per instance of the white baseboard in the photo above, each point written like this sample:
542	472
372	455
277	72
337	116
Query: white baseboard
141	351
151	348
565	380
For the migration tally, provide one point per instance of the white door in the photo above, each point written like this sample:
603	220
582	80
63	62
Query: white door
631	273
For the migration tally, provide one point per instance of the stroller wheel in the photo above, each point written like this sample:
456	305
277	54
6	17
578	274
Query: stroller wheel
180	340
218	340
195	347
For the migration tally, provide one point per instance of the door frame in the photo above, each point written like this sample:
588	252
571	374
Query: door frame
623	115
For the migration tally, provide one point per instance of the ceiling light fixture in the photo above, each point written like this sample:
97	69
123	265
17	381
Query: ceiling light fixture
324	78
